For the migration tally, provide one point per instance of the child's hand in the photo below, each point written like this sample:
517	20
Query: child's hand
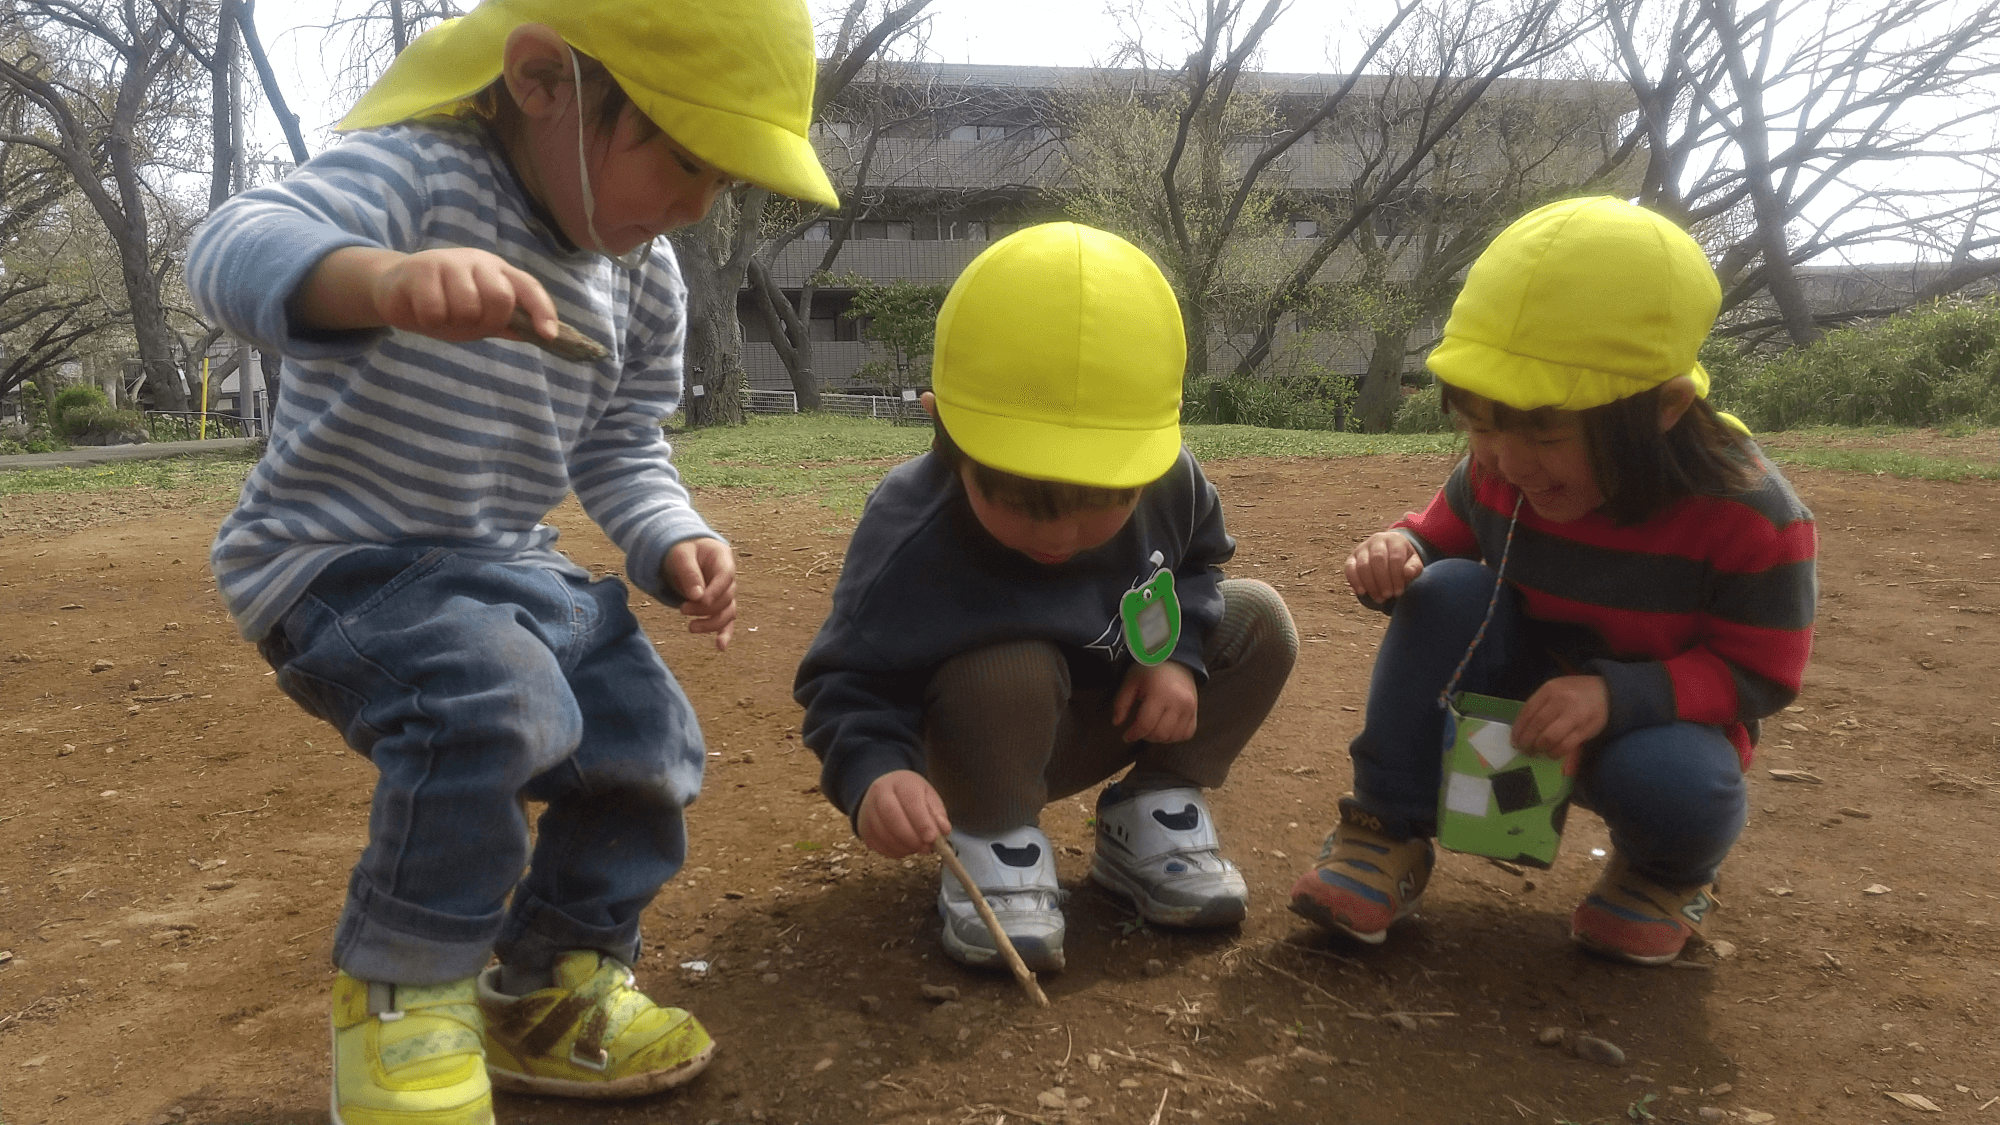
1161	701
1561	716
901	815
457	293
1383	566
703	571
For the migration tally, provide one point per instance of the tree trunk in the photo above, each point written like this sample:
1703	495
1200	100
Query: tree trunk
712	361
790	334
1382	388
222	105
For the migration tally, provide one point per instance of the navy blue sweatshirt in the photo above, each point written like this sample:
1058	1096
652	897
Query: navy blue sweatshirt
924	582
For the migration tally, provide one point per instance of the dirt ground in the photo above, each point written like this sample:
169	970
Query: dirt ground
177	835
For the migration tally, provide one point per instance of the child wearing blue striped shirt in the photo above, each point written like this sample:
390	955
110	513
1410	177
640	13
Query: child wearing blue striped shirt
515	166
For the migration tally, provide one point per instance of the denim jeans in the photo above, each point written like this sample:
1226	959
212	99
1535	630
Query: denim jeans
1673	795
471	686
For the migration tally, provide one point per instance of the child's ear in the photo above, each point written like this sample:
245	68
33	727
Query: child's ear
930	404
535	64
1676	396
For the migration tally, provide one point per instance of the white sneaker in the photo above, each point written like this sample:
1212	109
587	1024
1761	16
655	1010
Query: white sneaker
1016	871
1160	850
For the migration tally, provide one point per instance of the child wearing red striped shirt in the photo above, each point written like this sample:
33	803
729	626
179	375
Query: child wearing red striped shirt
1627	561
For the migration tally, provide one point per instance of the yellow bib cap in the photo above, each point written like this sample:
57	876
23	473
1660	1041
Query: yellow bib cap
1059	357
1579	304
731	80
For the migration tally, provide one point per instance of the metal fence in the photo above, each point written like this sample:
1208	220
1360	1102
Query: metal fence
188	425
889	408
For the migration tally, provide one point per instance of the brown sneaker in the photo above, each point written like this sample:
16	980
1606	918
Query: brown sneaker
1629	917
1365	880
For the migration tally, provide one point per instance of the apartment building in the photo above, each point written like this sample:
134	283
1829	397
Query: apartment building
951	156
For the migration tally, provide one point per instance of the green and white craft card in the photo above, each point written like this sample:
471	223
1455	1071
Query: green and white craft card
1495	800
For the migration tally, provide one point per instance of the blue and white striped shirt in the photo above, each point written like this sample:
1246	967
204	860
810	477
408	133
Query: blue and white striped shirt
386	436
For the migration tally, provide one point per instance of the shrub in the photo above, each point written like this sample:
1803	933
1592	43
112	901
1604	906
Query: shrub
1422	413
102	424
70	398
1921	368
1303	402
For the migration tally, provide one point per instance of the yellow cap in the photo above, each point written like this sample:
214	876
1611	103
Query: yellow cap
731	80
1579	304
1059	356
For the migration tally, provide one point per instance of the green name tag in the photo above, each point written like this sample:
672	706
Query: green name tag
1152	616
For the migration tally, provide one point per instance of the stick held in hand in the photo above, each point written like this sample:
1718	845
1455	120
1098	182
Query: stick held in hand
567	344
1022	973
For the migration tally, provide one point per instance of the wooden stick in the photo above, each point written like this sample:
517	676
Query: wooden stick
1021	973
567	342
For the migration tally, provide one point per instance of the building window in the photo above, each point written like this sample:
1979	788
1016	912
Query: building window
818	232
964	133
900	232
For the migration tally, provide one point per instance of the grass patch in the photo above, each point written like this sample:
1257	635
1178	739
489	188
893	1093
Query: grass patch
1887	462
219	474
1213	443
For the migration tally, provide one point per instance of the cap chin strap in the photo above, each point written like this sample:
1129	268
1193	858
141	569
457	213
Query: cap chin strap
633	258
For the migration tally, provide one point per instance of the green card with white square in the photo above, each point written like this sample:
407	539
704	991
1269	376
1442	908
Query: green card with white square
1496	801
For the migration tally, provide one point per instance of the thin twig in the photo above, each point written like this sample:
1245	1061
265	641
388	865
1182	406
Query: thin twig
942	847
1162	1108
1182	1072
1344	1005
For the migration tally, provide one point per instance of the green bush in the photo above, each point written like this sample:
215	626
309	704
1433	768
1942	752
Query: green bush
100	423
1922	368
1422	413
70	398
1303	402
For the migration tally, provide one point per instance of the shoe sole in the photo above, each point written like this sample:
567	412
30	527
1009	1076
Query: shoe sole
1612	953
1321	915
1221	912
632	1086
1038	956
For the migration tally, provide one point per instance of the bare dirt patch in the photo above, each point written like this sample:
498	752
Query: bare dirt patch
177	836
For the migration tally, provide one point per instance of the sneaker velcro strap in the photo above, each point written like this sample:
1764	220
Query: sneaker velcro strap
563	1012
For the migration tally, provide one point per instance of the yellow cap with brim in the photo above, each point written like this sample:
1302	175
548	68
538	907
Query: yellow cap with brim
1059	356
1579	304
730	80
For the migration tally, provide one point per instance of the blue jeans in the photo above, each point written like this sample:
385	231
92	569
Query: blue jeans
470	686
1673	796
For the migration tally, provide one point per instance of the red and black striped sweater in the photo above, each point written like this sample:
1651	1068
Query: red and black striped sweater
1704	612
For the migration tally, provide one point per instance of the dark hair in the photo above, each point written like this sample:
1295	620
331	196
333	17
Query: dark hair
1033	498
608	100
1641	469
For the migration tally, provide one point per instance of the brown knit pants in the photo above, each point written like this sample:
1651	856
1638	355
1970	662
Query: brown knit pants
1005	733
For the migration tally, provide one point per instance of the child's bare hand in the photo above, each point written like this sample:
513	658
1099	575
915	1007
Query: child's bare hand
1383	566
1561	716
457	293
1161	701
703	572
901	815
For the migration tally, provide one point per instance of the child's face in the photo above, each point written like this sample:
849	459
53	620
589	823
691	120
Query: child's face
1550	465
643	188
1046	541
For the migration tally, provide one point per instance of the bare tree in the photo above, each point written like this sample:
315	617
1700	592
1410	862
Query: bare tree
107	85
1791	133
716	254
1474	46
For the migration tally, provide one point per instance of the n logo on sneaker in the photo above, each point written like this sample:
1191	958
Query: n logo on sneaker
1185	820
1697	907
1026	856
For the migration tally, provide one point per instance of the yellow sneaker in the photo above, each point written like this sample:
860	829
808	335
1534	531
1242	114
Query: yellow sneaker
407	1055
591	1035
